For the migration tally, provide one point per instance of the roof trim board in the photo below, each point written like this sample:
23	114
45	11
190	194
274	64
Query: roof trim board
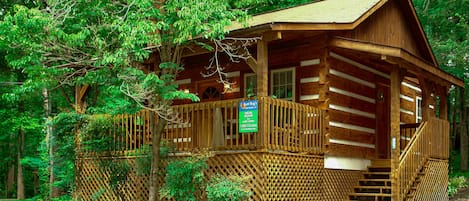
394	52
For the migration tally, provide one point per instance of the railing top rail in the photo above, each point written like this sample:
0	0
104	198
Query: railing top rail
412	125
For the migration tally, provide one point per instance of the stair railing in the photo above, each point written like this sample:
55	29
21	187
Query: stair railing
431	140
412	158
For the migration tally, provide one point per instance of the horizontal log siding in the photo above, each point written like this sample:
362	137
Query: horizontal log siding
408	101
352	108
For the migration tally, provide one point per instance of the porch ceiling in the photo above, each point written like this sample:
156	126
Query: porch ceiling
399	56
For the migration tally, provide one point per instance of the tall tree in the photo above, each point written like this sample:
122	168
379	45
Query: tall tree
447	26
75	43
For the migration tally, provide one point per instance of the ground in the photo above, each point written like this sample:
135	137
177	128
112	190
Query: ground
461	195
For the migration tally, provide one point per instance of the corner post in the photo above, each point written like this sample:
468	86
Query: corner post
395	132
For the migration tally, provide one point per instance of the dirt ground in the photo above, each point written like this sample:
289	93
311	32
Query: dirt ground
461	195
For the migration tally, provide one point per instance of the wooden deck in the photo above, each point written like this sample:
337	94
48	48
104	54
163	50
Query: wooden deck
282	125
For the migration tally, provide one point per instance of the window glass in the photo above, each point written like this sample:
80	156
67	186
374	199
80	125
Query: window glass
282	84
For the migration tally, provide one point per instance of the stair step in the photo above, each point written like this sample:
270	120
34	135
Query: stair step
377	175
381	163
375	182
379	169
370	196
372	189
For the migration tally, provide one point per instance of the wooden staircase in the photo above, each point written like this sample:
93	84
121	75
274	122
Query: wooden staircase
411	194
376	185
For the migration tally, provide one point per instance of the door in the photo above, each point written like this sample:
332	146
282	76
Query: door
382	121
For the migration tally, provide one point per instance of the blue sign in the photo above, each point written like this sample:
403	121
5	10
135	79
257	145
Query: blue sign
248	116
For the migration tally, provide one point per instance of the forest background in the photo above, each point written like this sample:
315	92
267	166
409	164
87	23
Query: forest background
29	107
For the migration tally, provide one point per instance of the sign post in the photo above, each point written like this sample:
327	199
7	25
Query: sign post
248	120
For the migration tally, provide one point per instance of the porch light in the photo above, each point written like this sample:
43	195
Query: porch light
186	91
226	87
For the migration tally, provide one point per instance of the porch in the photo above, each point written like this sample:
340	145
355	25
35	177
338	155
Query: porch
214	126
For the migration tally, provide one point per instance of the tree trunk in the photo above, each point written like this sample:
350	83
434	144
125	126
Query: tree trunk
453	127
11	171
53	191
156	131
10	180
20	179
463	130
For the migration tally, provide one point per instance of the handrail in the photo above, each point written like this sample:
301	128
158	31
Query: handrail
407	132
431	140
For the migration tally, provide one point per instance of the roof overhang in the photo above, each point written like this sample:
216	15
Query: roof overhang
399	56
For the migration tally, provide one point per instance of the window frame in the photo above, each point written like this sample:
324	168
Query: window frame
246	75
281	70
418	113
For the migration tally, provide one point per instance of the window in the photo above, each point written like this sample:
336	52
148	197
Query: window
418	109
282	83
250	85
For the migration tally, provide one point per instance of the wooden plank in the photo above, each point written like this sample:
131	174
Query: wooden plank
407	118
350	151
353	87
310	88
407	105
349	118
349	102
351	135
352	70
308	71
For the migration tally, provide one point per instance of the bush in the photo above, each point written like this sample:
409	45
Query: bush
455	183
232	188
184	179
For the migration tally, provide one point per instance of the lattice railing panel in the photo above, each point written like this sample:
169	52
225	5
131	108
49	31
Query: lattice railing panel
293	177
241	164
273	176
434	183
339	183
93	181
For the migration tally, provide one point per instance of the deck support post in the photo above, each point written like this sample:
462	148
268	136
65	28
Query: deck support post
262	68
395	132
262	73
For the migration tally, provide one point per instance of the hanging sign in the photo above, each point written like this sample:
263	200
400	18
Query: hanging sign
248	116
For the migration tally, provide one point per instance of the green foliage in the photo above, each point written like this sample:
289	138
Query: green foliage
232	188
96	136
455	183
184	179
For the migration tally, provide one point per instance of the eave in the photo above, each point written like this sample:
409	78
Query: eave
397	55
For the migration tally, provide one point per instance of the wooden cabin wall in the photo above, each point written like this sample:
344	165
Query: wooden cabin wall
302	54
410	90
352	95
388	26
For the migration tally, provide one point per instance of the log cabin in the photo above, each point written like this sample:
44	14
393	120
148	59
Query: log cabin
350	102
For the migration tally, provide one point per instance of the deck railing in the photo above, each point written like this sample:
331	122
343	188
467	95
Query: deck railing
429	141
407	132
283	125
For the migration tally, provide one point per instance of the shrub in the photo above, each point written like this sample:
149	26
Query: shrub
455	183
231	188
